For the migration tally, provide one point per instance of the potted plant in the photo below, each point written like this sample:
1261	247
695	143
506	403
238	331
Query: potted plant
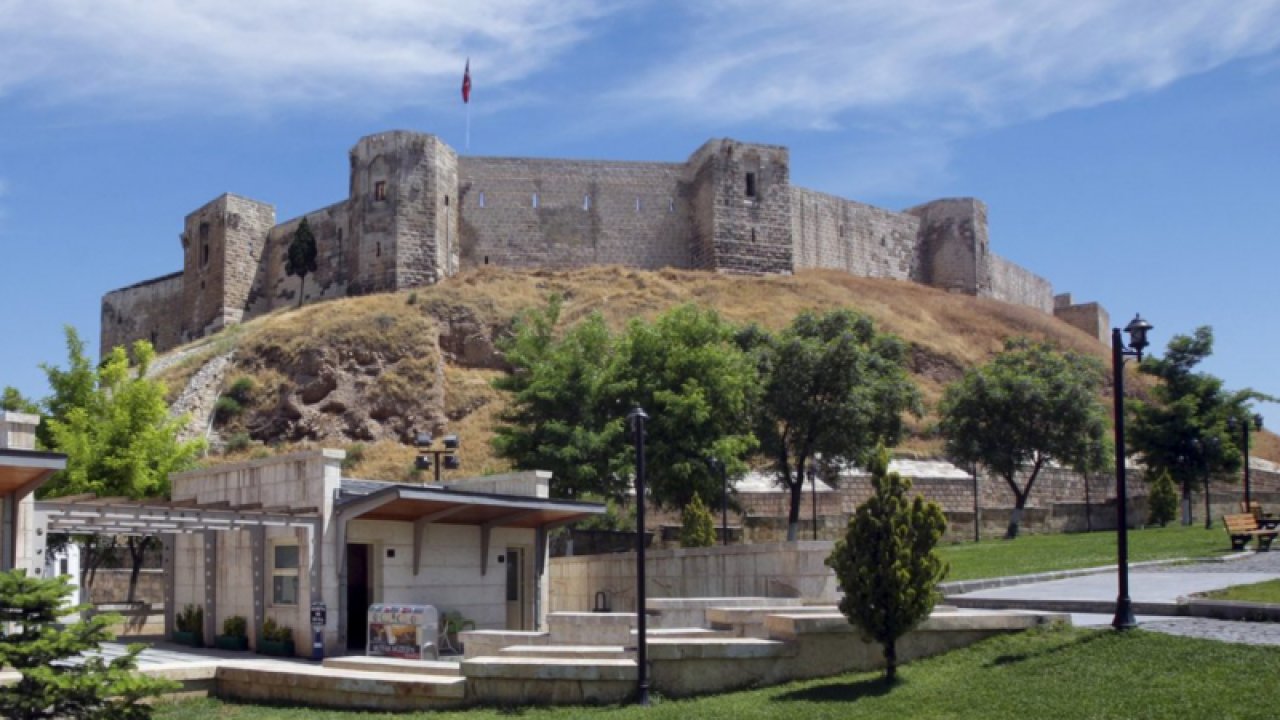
234	635
276	639
190	626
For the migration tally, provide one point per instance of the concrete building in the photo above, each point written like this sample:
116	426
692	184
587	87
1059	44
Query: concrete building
23	469
418	212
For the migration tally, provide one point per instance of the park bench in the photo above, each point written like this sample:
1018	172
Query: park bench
1244	527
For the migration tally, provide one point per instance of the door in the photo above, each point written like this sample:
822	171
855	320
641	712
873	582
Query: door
359	581
517	593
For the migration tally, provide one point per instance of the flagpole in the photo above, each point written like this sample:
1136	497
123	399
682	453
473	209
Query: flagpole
468	145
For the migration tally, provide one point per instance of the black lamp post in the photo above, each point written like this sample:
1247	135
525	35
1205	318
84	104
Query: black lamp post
637	417
813	493
1252	423
1137	330
446	457
718	467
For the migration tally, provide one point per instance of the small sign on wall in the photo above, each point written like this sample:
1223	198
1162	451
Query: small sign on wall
319	615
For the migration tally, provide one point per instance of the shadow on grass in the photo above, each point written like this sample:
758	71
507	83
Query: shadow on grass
1081	641
840	692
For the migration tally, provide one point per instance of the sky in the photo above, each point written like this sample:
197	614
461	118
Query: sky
1128	152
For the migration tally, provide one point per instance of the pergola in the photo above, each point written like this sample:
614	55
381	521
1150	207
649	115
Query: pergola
92	515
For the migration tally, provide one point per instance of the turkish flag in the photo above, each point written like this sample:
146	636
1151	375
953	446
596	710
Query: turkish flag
466	83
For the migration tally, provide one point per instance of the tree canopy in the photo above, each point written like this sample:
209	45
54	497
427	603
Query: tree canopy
832	385
301	258
1183	430
1029	406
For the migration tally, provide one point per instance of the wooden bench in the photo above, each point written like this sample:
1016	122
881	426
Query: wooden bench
1244	527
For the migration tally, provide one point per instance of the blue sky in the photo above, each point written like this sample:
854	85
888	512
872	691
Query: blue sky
1127	151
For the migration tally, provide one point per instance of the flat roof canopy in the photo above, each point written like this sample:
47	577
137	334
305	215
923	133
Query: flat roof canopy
26	470
408	503
90	515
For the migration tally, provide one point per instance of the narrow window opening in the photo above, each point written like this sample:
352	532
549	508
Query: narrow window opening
380	190
535	200
446	201
671	205
586	201
486	259
751	184
377	250
481	198
753	234
639	206
204	254
339	234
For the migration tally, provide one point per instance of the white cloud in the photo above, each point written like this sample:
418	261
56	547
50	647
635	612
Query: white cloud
217	55
947	65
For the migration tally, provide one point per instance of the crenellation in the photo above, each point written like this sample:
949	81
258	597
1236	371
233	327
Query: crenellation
416	212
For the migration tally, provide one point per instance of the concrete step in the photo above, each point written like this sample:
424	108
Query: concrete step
395	665
569	652
691	633
317	686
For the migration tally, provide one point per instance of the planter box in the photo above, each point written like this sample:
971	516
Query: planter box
191	639
231	642
276	648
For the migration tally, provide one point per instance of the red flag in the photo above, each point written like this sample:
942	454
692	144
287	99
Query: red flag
466	83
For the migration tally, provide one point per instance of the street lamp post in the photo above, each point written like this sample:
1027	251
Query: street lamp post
1137	330
1252	423
718	466
813	493
446	457
637	418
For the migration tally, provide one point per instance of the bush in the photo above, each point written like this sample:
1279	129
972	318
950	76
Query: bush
191	619
413	298
355	456
1162	501
226	408
273	632
235	626
698	528
239	441
886	561
34	642
242	389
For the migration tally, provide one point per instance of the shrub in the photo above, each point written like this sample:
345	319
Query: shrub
235	626
273	632
239	441
698	528
226	408
355	456
886	561
242	389
1162	501
191	619
413	298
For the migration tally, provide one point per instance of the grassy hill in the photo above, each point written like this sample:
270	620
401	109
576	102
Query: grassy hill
364	372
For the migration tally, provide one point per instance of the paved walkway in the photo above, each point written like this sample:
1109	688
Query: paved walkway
1158	585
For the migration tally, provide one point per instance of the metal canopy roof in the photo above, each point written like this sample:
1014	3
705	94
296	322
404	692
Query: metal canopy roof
88	514
411	503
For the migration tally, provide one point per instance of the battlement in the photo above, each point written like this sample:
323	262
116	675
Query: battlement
416	212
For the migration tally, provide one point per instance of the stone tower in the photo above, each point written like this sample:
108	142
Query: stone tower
403	211
741	207
222	245
953	252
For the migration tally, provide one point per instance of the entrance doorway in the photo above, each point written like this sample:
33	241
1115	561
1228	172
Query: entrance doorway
359	586
517	589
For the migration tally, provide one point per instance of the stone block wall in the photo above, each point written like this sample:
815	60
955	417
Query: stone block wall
1090	317
954	250
143	312
1016	285
274	288
523	212
834	233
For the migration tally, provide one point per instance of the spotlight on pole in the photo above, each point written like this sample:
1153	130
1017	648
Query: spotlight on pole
1137	330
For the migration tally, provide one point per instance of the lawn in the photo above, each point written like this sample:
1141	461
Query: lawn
1058	673
1263	592
1042	553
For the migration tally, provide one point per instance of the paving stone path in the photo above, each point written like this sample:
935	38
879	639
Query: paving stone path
1250	633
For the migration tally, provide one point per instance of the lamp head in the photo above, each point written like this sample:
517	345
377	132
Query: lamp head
451	442
422	439
636	418
1137	330
1257	421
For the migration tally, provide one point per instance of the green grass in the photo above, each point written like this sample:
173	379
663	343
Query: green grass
1263	592
1060	673
1042	553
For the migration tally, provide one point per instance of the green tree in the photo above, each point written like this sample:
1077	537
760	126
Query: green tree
301	259
1031	405
886	562
13	401
832	385
1183	429
700	391
70	388
33	641
120	440
554	419
697	527
1162	500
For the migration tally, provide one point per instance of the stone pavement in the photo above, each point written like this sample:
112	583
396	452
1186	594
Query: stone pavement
1157	585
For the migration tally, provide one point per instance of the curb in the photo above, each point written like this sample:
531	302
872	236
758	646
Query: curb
960	587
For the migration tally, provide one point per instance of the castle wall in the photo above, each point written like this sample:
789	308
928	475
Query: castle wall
223	243
954	251
142	311
1089	317
1016	285
742	217
833	233
274	288
523	212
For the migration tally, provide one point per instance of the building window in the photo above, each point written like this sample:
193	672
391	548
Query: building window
380	190
204	244
284	575
639	205
377	250
204	255
535	200
671	205
446	201
481	198
586	202
751	184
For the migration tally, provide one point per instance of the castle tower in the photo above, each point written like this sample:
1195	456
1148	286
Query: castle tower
403	210
222	246
741	206
953	252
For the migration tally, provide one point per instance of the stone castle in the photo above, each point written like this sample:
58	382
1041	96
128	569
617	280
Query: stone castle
417	212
